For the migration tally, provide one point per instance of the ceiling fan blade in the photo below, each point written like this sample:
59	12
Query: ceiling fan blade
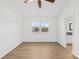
52	1
27	1
39	3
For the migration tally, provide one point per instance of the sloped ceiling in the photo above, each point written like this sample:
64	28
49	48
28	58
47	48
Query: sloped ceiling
48	9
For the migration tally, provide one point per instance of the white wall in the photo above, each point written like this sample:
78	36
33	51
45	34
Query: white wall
76	33
61	31
76	28
67	11
10	27
29	36
71	9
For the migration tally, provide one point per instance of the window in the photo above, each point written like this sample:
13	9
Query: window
38	26
35	26
44	26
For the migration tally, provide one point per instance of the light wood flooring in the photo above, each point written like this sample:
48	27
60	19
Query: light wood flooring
40	51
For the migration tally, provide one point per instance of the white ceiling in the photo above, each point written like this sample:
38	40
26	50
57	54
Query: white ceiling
48	9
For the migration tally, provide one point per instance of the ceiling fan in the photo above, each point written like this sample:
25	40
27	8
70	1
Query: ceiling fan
39	2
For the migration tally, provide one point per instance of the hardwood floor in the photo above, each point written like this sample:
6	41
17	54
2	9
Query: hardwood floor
40	51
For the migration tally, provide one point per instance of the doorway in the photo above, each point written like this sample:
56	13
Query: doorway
69	29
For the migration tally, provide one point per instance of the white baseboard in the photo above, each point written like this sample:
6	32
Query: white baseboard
75	54
10	50
61	44
40	41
